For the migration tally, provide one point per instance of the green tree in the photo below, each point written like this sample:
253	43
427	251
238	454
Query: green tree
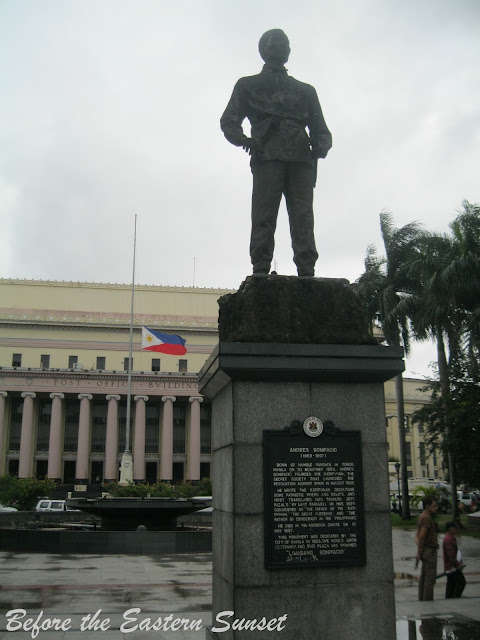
161	489
23	493
463	410
435	317
384	284
428	286
461	276
422	491
446	307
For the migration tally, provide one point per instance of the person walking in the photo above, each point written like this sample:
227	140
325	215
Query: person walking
452	563
427	543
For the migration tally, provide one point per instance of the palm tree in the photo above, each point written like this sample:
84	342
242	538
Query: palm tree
422	491
460	277
429	285
384	284
370	284
446	305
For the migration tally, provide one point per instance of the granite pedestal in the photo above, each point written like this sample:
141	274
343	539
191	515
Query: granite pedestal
257	386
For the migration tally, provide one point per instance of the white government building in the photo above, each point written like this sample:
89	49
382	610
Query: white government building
64	351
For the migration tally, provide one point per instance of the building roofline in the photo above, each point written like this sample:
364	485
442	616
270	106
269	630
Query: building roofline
108	285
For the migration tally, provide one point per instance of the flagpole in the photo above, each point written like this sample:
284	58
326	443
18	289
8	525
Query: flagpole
126	466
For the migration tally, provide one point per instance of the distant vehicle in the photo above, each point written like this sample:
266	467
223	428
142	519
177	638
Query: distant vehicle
52	506
7	509
469	500
207	500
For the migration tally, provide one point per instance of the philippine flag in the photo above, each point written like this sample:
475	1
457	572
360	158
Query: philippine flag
163	342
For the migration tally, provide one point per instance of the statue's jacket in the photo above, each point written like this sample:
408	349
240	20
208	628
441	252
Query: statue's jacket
279	109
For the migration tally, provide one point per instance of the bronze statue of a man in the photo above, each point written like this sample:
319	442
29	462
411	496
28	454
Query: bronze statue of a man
284	156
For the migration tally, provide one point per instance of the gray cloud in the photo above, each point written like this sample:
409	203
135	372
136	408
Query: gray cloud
111	108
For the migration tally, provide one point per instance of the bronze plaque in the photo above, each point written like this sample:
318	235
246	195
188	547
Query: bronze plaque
314	512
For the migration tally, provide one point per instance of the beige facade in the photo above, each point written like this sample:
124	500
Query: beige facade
63	383
88	321
64	350
421	464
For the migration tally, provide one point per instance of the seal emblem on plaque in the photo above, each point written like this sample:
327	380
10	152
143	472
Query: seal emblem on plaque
313	427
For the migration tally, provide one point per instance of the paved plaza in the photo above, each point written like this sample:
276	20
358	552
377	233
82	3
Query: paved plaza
406	584
177	589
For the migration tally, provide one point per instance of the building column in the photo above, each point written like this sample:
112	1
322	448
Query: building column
55	441
81	472
3	435
139	439
26	438
166	458
193	473
110	472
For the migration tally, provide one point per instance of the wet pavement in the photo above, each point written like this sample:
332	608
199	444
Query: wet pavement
443	628
440	619
168	597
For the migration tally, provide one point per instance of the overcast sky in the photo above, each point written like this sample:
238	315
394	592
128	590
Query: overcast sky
111	107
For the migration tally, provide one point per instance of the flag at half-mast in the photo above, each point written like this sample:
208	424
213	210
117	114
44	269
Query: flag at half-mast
153	340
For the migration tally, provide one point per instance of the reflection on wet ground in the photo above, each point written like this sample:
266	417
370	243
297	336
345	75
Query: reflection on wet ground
182	585
441	628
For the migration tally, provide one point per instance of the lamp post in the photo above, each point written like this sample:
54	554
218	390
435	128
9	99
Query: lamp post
397	469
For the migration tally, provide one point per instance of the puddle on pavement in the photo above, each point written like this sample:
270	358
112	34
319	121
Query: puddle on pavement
445	628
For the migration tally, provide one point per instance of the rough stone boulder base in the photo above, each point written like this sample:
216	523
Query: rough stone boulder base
287	309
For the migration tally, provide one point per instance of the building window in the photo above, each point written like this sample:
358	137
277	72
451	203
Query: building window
43	428
45	361
205	428
13	467
17	360
101	361
408	446
15	424
179	421
99	424
182	366
72	417
41	469
151	471
96	471
155	364
421	447
72	362
125	364
69	471
178	472
122	421
205	470
152	426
